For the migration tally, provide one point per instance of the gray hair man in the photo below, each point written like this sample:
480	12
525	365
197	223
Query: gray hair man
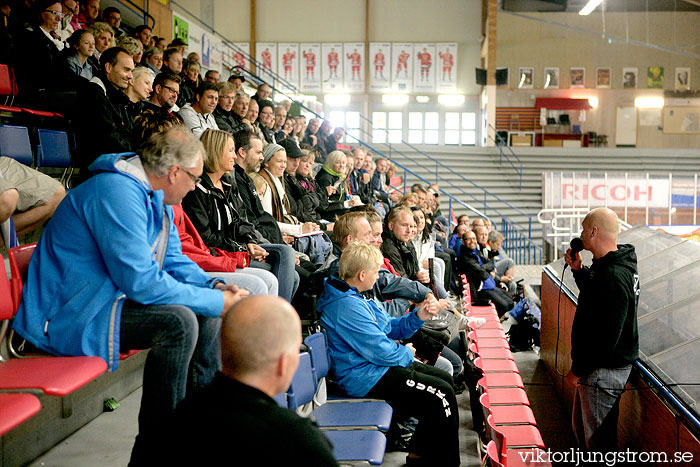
113	278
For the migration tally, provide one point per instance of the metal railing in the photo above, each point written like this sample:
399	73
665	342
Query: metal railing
128	4
560	225
501	143
441	179
277	80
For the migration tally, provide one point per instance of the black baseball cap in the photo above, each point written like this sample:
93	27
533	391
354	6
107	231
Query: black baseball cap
291	148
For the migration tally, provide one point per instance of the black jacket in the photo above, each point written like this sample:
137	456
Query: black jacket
228	121
334	204
261	219
104	123
402	255
468	264
40	68
252	418
303	202
604	333
215	215
187	91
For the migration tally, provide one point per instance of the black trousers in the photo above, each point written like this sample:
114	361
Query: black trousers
500	299
426	393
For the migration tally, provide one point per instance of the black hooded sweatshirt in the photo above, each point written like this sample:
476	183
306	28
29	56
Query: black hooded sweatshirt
604	333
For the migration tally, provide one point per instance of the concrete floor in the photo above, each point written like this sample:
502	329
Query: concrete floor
107	440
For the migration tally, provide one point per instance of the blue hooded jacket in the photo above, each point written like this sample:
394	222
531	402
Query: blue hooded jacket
99	249
360	337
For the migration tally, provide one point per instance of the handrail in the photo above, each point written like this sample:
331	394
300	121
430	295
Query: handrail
451	170
229	43
456	187
500	154
137	9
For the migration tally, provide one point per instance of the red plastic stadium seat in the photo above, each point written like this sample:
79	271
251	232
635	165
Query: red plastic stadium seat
19	264
55	376
508	414
7	108
492	353
128	354
481	333
507	396
502	380
39	113
15	409
7	83
497	366
518	436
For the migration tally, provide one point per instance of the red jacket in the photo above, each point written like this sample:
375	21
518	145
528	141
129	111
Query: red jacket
194	248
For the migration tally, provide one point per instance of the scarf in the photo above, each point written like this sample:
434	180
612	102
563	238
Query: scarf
341	191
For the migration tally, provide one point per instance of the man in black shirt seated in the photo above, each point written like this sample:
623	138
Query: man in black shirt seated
260	352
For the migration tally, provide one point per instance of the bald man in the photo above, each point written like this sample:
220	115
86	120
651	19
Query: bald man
236	417
604	338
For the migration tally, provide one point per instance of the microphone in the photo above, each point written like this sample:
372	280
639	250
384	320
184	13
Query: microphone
576	245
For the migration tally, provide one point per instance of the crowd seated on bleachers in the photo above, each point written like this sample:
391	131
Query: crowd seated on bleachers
262	195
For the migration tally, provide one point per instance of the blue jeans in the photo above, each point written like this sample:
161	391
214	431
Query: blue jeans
281	262
255	281
596	408
184	355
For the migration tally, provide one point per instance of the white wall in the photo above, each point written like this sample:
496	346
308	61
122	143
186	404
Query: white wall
526	43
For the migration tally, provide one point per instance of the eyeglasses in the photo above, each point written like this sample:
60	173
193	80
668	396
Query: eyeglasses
56	13
170	89
194	178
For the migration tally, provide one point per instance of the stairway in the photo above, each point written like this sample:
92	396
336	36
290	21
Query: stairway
481	165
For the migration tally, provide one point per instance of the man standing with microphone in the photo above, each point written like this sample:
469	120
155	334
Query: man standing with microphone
604	337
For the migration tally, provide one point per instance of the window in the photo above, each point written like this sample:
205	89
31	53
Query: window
379	127
460	128
387	127
423	127
349	120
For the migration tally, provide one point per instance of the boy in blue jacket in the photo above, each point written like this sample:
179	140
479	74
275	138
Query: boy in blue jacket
367	361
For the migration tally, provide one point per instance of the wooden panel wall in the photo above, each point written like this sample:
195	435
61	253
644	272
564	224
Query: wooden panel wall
528	118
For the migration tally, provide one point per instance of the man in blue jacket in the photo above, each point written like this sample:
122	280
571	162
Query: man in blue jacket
367	361
108	274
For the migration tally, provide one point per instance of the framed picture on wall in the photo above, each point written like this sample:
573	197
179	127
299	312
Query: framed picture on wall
551	78
682	80
603	77
629	78
577	77
526	76
655	77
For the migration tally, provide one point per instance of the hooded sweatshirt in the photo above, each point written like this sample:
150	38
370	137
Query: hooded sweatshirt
102	246
360	337
604	333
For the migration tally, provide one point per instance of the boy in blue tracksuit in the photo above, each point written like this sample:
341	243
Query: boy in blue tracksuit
367	361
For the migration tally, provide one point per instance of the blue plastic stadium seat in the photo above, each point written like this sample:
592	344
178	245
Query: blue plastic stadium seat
372	415
53	149
358	446
14	143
